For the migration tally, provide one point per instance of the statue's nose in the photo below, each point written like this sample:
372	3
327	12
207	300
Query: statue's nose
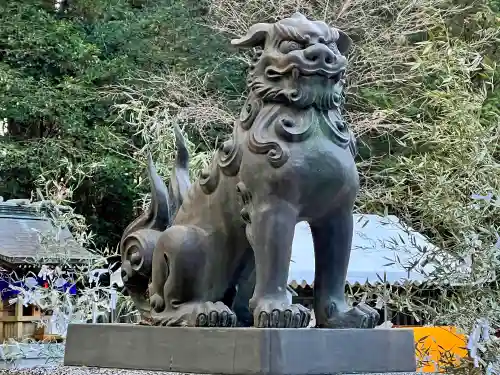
321	54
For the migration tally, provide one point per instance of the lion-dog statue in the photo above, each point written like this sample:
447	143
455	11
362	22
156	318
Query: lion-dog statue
290	158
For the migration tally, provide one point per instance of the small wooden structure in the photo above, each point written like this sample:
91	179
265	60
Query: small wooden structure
25	247
18	321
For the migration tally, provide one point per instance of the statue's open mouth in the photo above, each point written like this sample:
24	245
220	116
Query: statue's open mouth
274	73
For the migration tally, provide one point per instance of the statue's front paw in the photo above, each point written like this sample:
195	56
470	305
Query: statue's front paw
360	316
271	313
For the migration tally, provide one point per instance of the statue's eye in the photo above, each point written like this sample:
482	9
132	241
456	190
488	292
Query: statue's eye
289	45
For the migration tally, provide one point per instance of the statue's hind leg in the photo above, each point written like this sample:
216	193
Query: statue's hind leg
178	281
332	247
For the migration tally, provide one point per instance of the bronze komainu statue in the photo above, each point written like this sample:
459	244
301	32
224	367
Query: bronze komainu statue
290	158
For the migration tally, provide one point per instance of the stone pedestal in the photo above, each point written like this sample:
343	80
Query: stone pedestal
242	351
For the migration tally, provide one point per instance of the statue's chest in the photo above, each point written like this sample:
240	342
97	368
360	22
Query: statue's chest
324	175
324	163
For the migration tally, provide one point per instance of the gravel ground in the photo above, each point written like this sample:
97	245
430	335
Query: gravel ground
62	370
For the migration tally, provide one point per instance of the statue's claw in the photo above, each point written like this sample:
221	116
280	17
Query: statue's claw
214	315
157	303
204	314
360	316
276	314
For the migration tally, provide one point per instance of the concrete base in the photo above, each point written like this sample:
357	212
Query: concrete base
245	351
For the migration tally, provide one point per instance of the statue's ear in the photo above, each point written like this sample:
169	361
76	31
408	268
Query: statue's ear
344	42
255	37
299	16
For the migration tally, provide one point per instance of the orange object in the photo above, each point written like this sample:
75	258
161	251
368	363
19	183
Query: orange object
437	347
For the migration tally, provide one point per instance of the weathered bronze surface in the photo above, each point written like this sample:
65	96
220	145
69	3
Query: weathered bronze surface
290	158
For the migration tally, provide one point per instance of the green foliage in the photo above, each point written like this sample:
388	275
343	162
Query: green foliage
53	70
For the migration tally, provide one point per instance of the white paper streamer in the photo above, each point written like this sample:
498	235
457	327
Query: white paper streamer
114	299
116	278
94	312
479	334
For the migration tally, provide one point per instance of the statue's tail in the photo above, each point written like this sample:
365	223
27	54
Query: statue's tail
179	180
140	237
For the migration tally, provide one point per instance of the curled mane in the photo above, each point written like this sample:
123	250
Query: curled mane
267	130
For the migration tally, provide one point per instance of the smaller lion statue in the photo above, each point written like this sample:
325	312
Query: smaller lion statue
290	158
